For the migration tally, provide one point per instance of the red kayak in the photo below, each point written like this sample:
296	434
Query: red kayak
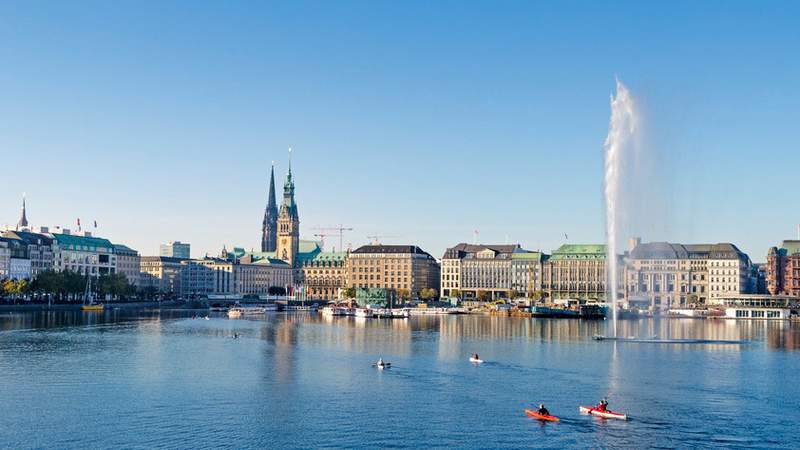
536	415
603	414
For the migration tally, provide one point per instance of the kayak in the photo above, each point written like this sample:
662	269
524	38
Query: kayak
536	415
476	360
603	414
382	366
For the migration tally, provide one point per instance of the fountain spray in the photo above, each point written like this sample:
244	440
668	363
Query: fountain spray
620	142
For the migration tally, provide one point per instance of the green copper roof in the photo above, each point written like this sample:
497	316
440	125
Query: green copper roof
83	243
537	256
580	251
328	257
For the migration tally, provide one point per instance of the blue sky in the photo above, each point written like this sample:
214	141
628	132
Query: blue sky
419	120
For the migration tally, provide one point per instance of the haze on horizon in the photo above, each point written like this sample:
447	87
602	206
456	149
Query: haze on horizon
415	120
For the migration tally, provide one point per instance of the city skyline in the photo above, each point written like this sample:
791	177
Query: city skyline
400	135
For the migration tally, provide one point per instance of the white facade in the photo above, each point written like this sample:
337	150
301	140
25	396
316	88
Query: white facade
19	269
214	276
5	260
85	255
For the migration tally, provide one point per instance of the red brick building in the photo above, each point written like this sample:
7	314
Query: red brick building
783	269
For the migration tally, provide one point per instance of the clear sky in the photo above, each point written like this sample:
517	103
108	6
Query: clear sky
419	120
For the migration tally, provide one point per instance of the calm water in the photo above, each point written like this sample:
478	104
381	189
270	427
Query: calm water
144	379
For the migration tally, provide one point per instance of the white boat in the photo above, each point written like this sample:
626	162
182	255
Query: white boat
475	360
252	310
603	414
364	312
270	307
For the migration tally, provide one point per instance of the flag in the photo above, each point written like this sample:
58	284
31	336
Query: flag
566	238
95	224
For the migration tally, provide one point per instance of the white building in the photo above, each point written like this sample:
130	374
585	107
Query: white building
5	259
19	268
214	276
84	254
759	306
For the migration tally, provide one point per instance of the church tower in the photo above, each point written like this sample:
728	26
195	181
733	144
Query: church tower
288	222
23	220
269	228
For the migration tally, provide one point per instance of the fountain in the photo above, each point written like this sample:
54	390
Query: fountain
620	149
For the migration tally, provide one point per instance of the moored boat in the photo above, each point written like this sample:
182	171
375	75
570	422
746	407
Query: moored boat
233	313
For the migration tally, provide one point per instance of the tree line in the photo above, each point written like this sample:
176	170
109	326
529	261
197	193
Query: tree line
67	285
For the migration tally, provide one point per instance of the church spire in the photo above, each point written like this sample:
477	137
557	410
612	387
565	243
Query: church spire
23	220
269	227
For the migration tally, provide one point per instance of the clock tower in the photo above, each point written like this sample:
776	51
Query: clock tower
288	242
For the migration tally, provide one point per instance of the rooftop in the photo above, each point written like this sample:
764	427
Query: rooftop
390	249
580	251
73	242
666	250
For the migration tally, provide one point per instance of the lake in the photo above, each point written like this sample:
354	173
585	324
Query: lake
160	379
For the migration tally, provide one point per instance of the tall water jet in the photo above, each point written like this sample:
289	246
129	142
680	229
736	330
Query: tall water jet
620	149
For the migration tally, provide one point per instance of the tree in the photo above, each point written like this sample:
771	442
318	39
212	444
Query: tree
483	296
404	294
349	292
428	294
454	293
512	294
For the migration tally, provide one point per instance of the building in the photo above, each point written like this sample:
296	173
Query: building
269	228
223	276
526	273
128	263
486	272
288	233
176	249
22	224
783	269
325	275
160	274
398	267
575	271
38	248
84	254
5	259
660	275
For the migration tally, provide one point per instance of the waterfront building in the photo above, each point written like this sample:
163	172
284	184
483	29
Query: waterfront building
221	276
161	274
661	275
38	248
526	273
783	269
269	227
325	275
128	263
84	254
398	267
5	257
19	268
176	249
489	271
575	271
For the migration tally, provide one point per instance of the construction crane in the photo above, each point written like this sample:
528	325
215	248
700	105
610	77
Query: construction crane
376	238
332	231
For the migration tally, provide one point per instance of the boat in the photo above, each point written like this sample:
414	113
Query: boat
92	307
475	360
363	312
251	310
88	298
654	340
543	417
270	307
603	414
381	366
233	313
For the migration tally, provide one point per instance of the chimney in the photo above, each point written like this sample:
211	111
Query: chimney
633	242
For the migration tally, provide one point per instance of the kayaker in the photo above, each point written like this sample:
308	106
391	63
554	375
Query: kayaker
380	362
542	410
475	356
603	406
